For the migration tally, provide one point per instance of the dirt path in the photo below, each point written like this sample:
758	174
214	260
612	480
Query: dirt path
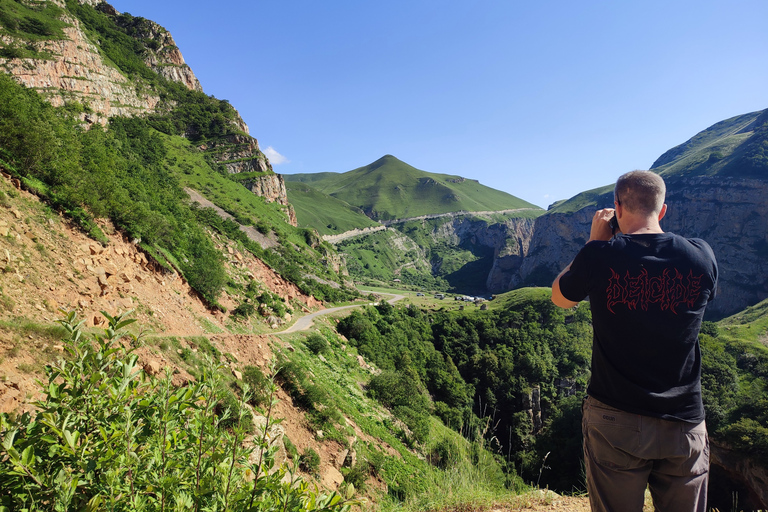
541	501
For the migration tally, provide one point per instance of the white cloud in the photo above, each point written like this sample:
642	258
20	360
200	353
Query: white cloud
275	158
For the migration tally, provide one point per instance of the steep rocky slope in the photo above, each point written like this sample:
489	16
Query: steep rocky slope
77	71
48	265
71	68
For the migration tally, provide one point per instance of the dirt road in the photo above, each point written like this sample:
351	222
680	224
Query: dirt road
305	322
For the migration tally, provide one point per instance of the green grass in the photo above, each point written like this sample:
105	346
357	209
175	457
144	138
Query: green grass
326	214
750	325
709	152
598	197
384	256
520	296
391	189
193	170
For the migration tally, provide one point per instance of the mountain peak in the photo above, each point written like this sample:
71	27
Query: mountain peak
386	160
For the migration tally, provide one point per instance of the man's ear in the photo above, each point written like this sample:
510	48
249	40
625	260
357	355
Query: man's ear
663	211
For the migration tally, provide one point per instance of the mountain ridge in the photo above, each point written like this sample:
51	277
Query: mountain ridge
389	188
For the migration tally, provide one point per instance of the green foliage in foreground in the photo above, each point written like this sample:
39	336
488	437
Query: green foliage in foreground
108	437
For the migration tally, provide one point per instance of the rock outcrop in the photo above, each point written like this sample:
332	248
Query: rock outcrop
272	188
77	72
239	153
162	54
741	473
505	241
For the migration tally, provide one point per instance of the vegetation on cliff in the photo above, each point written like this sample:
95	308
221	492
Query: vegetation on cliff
30	25
130	173
513	368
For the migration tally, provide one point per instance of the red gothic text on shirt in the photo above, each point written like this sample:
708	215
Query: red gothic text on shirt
668	290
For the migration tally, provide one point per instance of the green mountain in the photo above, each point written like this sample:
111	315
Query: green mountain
736	147
717	182
444	232
391	189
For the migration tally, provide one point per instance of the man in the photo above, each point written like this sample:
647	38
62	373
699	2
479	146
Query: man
643	419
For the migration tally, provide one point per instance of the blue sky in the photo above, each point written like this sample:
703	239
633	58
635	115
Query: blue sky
542	100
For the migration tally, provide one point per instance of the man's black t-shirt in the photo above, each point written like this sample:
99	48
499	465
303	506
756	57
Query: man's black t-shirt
647	294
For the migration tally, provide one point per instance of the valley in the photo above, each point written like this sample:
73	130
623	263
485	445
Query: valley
306	310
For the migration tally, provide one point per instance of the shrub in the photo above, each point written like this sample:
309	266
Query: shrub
244	310
357	474
258	383
316	343
108	437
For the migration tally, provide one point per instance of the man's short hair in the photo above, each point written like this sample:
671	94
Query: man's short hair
640	192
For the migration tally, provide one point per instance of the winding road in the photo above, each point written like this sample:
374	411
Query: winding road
305	322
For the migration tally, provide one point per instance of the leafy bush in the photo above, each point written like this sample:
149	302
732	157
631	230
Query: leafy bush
108	437
244	310
316	343
357	474
258	384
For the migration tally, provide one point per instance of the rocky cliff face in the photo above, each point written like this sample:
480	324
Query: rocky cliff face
272	188
738	472
239	153
730	214
507	240
77	72
163	56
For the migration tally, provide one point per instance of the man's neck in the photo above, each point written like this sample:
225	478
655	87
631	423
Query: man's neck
647	230
632	225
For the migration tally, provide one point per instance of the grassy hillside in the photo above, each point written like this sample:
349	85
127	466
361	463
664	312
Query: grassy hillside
327	214
736	147
391	189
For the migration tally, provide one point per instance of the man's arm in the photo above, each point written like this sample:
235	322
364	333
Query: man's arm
600	230
557	296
